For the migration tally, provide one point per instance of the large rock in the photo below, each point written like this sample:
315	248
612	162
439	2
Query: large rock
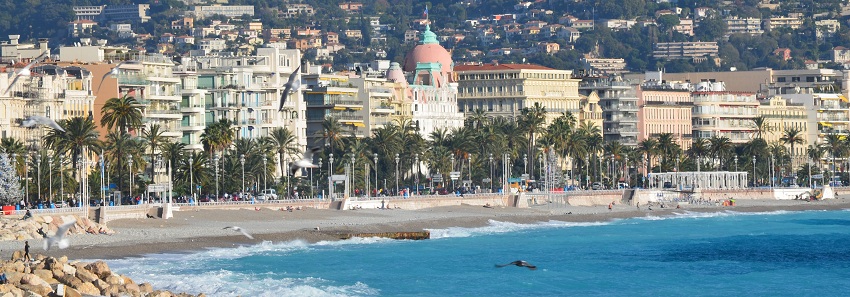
71	292
109	291
57	273
100	285
18	255
133	289
88	289
146	288
127	280
46	219
68	269
32	279
45	275
70	280
40	290
100	269
159	293
114	280
85	275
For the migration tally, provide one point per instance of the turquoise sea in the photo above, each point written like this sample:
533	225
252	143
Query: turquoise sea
690	254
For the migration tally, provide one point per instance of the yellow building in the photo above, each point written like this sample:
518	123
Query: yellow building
781	115
503	90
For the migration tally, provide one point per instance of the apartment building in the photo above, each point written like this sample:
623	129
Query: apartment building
665	107
619	102
781	114
724	114
333	96
231	11
749	26
602	66
685	50
793	23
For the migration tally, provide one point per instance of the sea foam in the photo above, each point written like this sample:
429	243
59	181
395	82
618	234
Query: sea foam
495	227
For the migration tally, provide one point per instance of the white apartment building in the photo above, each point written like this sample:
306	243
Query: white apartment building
722	113
231	11
750	26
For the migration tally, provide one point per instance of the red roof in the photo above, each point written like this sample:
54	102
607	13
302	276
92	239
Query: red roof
490	67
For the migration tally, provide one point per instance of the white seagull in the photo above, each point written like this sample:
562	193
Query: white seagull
24	71
32	121
238	229
292	83
113	71
59	239
305	162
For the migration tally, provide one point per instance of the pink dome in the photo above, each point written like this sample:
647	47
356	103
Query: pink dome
395	74
429	51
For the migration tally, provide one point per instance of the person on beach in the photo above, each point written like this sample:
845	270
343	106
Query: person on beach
27	251
609	206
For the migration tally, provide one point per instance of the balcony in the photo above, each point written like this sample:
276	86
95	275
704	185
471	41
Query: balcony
134	80
384	109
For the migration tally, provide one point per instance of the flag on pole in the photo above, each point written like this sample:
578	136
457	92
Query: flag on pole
425	14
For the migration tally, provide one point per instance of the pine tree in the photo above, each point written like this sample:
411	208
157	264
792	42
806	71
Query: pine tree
10	187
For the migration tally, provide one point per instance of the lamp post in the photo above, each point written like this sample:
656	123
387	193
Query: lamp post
613	173
771	171
491	172
215	160
317	181
375	155
242	190
417	174
452	169
628	178
191	177
525	163
539	177
810	172
50	174
330	173
265	177
396	174
130	170
754	171
351	175
38	172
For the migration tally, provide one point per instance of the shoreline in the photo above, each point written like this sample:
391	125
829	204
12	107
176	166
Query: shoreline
193	231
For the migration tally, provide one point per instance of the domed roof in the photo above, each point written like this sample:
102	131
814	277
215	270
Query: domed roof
429	51
395	74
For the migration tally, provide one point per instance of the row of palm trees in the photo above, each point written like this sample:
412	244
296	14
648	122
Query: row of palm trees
478	151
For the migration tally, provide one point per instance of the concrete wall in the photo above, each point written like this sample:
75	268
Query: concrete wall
431	201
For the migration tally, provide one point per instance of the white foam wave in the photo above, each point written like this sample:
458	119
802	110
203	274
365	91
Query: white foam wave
229	283
715	214
496	227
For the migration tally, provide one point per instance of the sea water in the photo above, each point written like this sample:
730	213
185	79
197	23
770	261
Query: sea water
689	254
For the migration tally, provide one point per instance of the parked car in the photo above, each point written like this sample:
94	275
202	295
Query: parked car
597	186
267	194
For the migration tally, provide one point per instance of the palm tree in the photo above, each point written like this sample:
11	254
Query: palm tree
285	143
218	136
815	154
80	135
792	136
123	113
531	120
667	147
119	146
761	125
332	132
648	147
478	118
154	136
720	147
14	146
835	144
172	153
699	148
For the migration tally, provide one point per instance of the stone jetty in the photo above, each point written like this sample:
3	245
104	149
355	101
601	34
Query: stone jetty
19	229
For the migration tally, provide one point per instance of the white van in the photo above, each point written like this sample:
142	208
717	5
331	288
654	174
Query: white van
267	194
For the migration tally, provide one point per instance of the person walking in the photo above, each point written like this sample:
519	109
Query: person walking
27	251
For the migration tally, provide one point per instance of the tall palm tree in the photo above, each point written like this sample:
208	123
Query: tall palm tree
80	134
667	147
154	137
285	143
699	148
815	154
14	146
478	118
531	121
119	146
835	144
761	125
172	153
332	132
792	136
720	147
218	136
648	147
123	113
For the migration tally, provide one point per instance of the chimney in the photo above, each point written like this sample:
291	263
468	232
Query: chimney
101	42
13	39
85	41
42	43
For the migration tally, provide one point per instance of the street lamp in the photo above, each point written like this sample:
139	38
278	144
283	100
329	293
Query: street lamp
330	177
396	174
375	155
50	174
452	170
541	168
130	169
317	181
265	176
525	163
417	174
351	175
242	190
215	160
754	171
191	177
38	172
614	173
491	172
628	178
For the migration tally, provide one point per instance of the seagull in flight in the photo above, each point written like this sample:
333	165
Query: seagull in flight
113	71
239	229
305	162
518	263
24	71
59	239
32	121
292	83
